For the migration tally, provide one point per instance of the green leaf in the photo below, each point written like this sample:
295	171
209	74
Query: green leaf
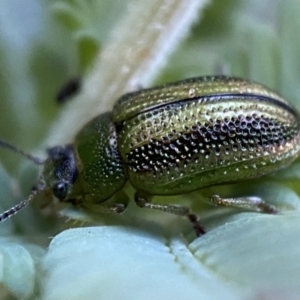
67	14
87	50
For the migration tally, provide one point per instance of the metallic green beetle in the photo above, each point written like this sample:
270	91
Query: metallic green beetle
172	140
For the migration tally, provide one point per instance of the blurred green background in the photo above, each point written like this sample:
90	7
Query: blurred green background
45	43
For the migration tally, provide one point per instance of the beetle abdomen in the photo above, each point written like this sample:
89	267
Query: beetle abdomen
183	146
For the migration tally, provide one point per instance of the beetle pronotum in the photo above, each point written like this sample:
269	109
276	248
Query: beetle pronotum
171	140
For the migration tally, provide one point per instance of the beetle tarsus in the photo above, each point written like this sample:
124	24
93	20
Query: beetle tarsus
196	224
251	203
143	201
118	208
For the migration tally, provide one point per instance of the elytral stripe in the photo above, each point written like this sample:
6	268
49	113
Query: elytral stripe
213	140
225	97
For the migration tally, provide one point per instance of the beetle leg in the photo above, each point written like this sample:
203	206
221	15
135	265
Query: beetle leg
179	210
89	213
249	203
105	208
117	204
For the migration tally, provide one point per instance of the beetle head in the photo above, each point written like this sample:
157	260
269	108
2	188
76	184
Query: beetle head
60	171
59	174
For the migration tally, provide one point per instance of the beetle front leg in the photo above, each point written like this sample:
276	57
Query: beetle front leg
143	201
91	212
116	208
117	204
249	203
105	208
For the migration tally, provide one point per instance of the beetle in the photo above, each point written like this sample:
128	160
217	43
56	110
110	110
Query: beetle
174	139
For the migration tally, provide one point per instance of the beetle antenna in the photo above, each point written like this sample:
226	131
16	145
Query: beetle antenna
36	160
15	209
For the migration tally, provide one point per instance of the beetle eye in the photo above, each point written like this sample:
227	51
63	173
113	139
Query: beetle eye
60	190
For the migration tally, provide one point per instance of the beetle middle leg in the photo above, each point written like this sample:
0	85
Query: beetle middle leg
249	203
143	201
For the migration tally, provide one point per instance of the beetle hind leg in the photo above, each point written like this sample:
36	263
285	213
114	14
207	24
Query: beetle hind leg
249	203
143	201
